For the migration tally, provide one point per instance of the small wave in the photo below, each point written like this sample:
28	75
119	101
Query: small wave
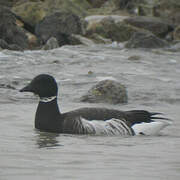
100	78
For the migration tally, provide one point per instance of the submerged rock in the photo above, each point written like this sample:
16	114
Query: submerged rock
52	43
145	40
106	91
7	86
59	25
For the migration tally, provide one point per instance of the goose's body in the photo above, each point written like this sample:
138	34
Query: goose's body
98	121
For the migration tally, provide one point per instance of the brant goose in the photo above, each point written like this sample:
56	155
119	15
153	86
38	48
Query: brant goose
98	121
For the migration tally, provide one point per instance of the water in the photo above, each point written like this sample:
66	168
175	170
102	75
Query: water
152	81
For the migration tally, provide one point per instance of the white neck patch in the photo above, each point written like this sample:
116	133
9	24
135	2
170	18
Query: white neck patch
47	99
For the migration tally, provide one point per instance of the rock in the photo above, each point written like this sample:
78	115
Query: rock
134	58
4	44
117	6
9	31
7	86
176	33
155	25
125	4
96	38
97	3
34	11
111	29
83	40
32	40
146	10
77	7
93	19
106	91
7	3
15	47
145	40
107	8
59	25
169	10
30	12
174	48
52	43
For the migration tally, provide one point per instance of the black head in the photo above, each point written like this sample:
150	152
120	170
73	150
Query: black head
43	85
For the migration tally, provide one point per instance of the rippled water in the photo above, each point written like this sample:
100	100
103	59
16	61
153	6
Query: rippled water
152	80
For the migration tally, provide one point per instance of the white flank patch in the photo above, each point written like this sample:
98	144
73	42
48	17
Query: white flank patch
152	128
108	127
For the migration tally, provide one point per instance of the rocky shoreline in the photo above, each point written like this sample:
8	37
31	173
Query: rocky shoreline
48	24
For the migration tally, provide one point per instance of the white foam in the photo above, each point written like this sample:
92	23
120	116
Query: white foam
2	55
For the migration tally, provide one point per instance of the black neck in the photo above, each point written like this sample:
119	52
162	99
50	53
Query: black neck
48	117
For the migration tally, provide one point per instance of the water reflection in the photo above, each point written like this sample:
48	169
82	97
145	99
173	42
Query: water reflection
46	139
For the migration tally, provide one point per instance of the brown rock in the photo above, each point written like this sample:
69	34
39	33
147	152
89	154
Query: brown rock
106	91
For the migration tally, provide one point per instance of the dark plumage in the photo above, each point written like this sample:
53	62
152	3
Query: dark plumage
84	120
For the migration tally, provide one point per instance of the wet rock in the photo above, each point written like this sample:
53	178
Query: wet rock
176	33
9	31
52	43
59	25
145	40
134	58
106	91
111	29
155	25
